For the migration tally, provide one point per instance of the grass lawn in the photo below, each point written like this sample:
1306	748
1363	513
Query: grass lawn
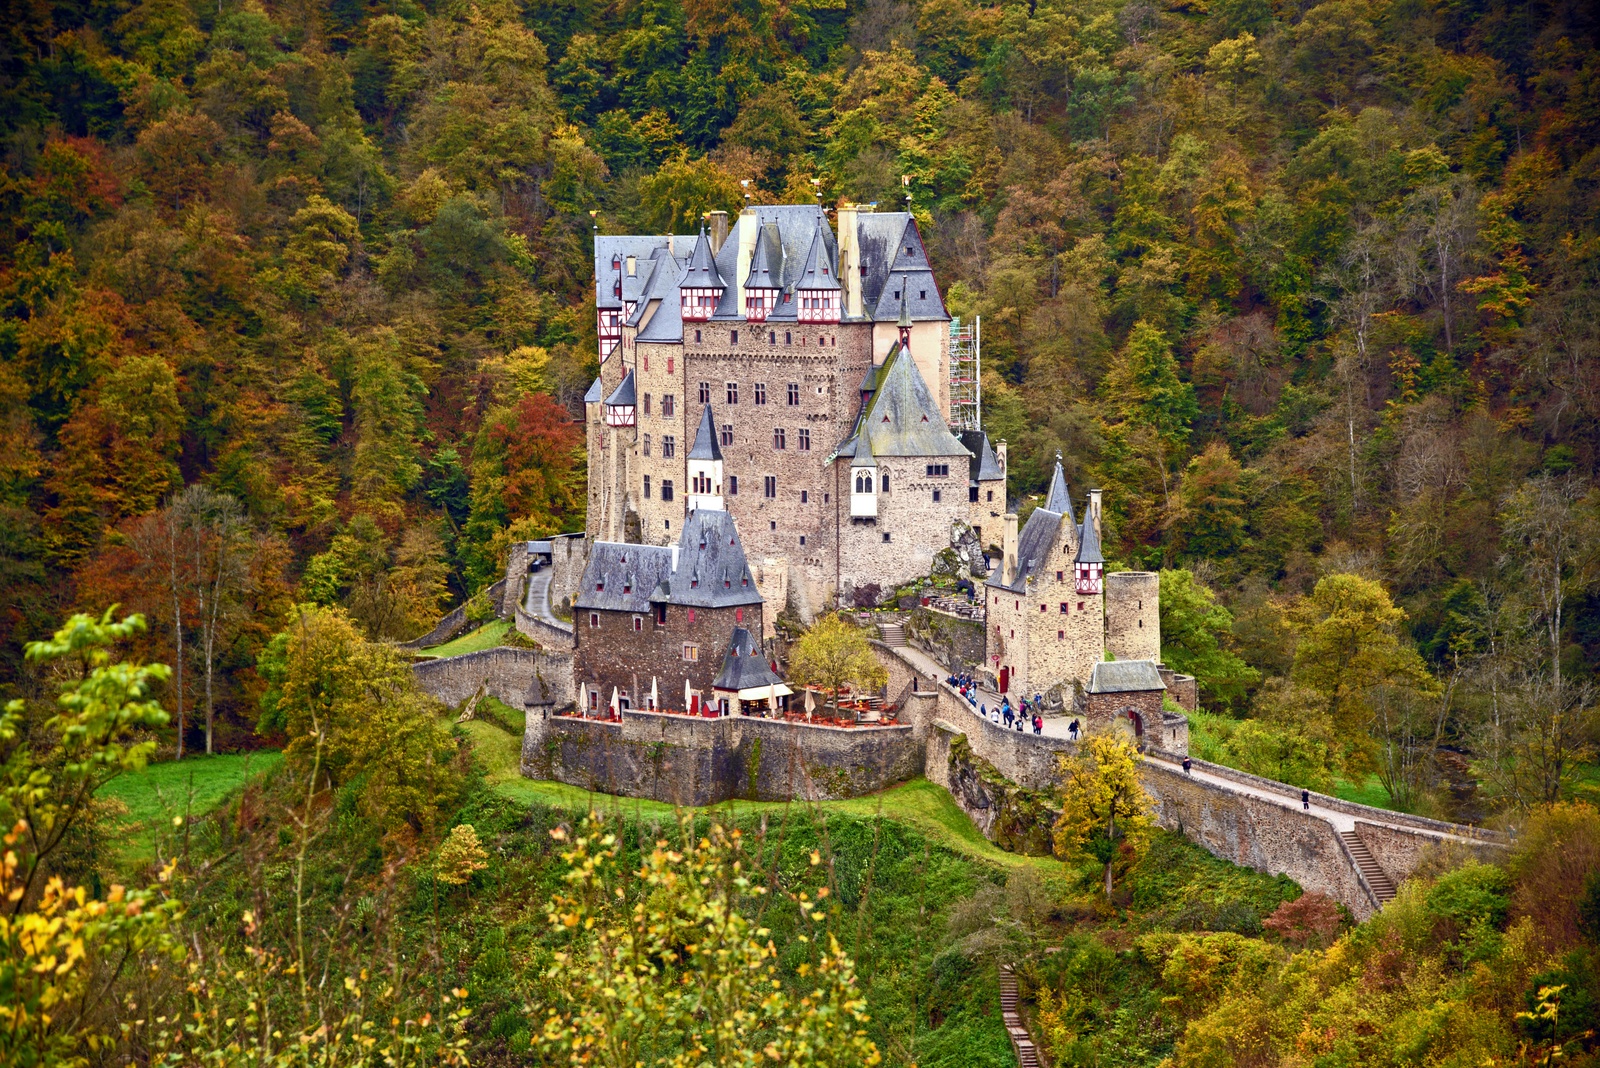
485	637
161	792
1370	792
919	802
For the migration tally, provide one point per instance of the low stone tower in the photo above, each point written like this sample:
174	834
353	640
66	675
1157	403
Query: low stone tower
1133	615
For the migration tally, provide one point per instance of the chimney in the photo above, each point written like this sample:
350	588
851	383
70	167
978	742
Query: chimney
1008	550
749	223
674	549
719	230
1000	458
1094	511
850	260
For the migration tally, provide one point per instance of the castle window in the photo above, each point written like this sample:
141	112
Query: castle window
772	524
705	393
733	393
702	484
666	495
1080	606
802	539
735	341
738	615
897	294
772	337
863	482
910	251
697	337
733	485
694	583
647	404
825	498
669	447
794	393
1044	607
991	495
780	438
661	615
727	584
1063	608
670	361
788	338
594	619
885	483
669	404
646	444
627	587
761	393
1061	635
805	496
886	536
691	615
726	436
924	296
1141	624
936	496
805	439
600	587
647	487
1059	576
769	488
972	495
691	653
638	623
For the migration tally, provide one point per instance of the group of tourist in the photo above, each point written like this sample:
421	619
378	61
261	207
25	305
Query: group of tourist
1029	714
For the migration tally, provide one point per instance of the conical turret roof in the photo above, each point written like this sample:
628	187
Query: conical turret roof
705	439
624	393
766	260
1089	543
817	274
1059	500
702	270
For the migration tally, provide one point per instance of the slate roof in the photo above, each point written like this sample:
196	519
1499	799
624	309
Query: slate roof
985	465
817	272
615	567
892	277
1040	534
596	393
705	439
659	316
1125	676
1058	499
701	271
624	393
744	666
766	260
901	418
1089	543
609	247
712	571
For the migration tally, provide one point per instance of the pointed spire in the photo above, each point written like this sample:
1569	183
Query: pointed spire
1059	500
1089	543
905	320
705	439
702	270
817	272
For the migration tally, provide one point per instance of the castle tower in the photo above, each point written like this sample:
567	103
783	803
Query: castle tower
705	467
1133	615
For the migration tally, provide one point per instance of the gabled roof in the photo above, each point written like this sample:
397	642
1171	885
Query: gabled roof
817	273
902	418
1058	499
620	577
890	277
624	393
701	272
744	666
617	248
705	439
712	571
1089	543
1125	676
766	261
660	302
985	465
596	393
1040	535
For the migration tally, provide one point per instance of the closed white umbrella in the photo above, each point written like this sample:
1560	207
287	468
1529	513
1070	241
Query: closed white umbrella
655	702
616	702
772	697
686	695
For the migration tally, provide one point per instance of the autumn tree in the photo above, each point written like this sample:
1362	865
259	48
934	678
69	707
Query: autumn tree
1105	813
835	655
1196	639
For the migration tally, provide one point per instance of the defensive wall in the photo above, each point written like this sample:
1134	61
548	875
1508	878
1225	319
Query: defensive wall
454	622
543	632
693	760
522	678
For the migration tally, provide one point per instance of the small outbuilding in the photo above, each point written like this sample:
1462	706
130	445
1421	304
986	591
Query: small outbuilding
747	683
1125	694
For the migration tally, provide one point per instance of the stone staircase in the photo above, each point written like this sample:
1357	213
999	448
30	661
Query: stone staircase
1382	886
1027	1053
894	634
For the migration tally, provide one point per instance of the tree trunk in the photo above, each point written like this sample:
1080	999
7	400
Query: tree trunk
1111	836
177	619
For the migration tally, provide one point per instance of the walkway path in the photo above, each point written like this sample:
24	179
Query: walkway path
1021	1043
537	602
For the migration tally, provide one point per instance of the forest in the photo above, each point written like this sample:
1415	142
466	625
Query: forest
296	316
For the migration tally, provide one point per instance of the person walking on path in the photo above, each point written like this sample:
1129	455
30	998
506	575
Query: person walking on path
1072	729
1305	799
1186	766
1038	723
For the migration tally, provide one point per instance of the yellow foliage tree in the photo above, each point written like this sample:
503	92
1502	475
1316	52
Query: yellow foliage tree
1104	809
834	654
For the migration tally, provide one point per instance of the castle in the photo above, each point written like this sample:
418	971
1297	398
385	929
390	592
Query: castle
796	379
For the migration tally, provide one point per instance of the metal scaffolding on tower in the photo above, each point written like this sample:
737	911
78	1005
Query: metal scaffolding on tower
966	367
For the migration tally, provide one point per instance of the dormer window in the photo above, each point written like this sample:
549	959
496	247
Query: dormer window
694	584
600	587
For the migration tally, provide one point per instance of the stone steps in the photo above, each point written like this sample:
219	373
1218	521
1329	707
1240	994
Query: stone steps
1377	879
1021	1043
894	635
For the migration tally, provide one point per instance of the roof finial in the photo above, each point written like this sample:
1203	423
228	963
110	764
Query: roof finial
905	315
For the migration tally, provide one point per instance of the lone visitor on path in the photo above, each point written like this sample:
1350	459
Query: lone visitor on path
1186	766
1305	799
1072	729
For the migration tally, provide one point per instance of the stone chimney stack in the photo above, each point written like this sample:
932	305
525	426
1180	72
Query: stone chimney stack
850	260
1008	550
719	230
1094	512
749	223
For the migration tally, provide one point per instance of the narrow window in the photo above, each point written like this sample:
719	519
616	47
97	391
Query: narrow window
779	438
669	446
885	486
936	496
788	338
738	615
733	393
691	615
647	404
666	495
805	439
705	393
647	487
735	341
805	496
886	535
769	490
794	393
646	444
725	436
1060	575
669	405
697	337
761	393
772	337
670	362
733	485
923	295
1063	608
1061	635
594	619
802	540
638	623
972	495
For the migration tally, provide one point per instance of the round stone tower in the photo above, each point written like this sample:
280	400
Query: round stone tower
1133	615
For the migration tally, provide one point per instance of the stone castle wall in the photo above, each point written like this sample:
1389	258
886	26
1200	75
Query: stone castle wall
513	675
954	642
1133	616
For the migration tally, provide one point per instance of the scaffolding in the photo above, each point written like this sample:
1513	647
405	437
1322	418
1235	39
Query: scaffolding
966	364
